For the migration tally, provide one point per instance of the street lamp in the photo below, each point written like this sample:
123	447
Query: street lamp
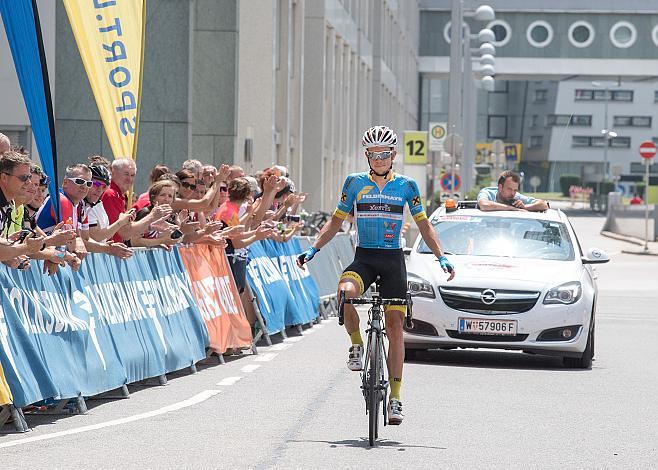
608	134
462	108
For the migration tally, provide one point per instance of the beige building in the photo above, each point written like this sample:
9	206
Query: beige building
313	75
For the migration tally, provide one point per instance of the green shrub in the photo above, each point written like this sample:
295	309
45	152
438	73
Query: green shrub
566	181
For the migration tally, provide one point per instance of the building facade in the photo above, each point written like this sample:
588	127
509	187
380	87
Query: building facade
255	83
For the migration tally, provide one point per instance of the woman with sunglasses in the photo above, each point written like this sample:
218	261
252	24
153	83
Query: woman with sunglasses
186	198
379	197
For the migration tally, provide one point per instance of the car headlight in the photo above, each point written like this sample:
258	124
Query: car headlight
419	287
564	294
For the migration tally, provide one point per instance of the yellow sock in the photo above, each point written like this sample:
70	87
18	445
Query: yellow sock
395	388
355	336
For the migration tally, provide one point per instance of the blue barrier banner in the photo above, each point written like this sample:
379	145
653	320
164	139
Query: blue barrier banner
301	284
269	287
21	21
113	322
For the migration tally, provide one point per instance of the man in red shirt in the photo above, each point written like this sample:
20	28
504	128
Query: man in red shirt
114	199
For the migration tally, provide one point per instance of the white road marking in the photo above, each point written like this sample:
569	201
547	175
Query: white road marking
293	339
196	399
250	368
265	357
280	346
228	381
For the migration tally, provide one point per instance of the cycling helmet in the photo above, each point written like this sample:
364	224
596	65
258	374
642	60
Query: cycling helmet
100	173
379	136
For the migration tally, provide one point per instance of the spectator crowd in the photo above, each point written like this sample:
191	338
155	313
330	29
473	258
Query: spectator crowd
196	203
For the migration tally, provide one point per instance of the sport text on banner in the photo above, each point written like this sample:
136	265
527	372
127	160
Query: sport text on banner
214	289
110	38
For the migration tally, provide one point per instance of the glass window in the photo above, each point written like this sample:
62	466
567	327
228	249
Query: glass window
622	95
497	127
502	32
601	95
623	34
539	33
581	120
581	34
536	141
534	120
584	95
597	141
622	121
655	96
511	237
620	142
540	96
580	141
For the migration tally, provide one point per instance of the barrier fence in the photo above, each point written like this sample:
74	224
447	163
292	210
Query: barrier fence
115	322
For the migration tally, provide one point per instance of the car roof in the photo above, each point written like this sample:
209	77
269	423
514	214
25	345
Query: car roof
553	215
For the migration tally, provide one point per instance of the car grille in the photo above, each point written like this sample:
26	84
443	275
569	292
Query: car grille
506	301
490	338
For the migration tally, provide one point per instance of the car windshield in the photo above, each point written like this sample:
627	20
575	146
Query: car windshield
502	236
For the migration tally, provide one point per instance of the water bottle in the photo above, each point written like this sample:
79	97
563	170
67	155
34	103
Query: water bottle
68	225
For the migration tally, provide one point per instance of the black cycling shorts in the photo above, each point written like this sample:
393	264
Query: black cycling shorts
387	264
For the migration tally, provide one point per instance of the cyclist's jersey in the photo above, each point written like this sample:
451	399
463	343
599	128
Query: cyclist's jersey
379	214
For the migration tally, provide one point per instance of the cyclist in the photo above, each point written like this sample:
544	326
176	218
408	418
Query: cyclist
378	198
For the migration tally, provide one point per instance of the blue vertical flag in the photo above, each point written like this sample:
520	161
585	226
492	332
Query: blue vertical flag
21	20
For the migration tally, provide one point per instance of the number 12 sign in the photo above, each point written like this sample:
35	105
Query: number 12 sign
415	147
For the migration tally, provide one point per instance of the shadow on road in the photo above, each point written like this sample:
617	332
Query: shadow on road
489	360
362	443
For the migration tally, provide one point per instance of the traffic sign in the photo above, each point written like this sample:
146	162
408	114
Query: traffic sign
437	134
446	182
647	149
415	147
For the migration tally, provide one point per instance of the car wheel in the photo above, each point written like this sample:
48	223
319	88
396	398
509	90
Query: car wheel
584	361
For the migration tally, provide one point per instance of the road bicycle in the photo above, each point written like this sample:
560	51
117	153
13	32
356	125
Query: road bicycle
374	383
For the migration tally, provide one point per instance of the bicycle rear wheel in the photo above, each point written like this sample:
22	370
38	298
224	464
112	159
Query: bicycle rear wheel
374	385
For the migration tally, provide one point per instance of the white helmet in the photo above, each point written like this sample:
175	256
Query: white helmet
379	136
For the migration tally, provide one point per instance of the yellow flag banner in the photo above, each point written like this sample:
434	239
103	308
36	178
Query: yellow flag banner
5	393
110	38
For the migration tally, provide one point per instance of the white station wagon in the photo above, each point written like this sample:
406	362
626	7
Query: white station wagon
522	283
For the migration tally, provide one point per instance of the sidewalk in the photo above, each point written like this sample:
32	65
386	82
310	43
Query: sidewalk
582	208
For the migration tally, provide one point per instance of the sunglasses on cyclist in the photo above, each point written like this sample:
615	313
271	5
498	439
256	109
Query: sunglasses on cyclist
380	155
21	178
81	182
98	184
44	181
188	185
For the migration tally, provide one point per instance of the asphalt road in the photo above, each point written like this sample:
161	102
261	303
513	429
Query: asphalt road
296	405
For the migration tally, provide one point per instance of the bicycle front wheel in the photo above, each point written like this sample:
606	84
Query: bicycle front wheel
374	385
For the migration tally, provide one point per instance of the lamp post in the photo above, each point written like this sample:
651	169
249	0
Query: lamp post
608	134
462	108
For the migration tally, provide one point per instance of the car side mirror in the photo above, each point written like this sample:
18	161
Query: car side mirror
406	251
595	256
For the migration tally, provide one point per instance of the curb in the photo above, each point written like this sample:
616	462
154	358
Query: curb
624	238
640	252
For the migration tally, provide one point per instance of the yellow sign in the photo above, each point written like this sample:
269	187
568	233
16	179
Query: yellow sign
110	38
415	147
484	153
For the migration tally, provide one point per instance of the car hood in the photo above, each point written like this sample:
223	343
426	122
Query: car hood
495	272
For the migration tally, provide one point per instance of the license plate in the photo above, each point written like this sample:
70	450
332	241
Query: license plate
487	327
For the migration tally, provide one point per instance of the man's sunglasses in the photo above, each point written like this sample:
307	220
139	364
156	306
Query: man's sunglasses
188	185
21	178
380	155
81	182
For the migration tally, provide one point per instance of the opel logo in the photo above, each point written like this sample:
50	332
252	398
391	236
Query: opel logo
488	296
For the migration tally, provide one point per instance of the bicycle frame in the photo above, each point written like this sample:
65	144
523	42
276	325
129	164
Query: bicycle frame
374	383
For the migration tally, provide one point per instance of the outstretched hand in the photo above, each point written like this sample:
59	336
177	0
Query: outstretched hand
447	267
